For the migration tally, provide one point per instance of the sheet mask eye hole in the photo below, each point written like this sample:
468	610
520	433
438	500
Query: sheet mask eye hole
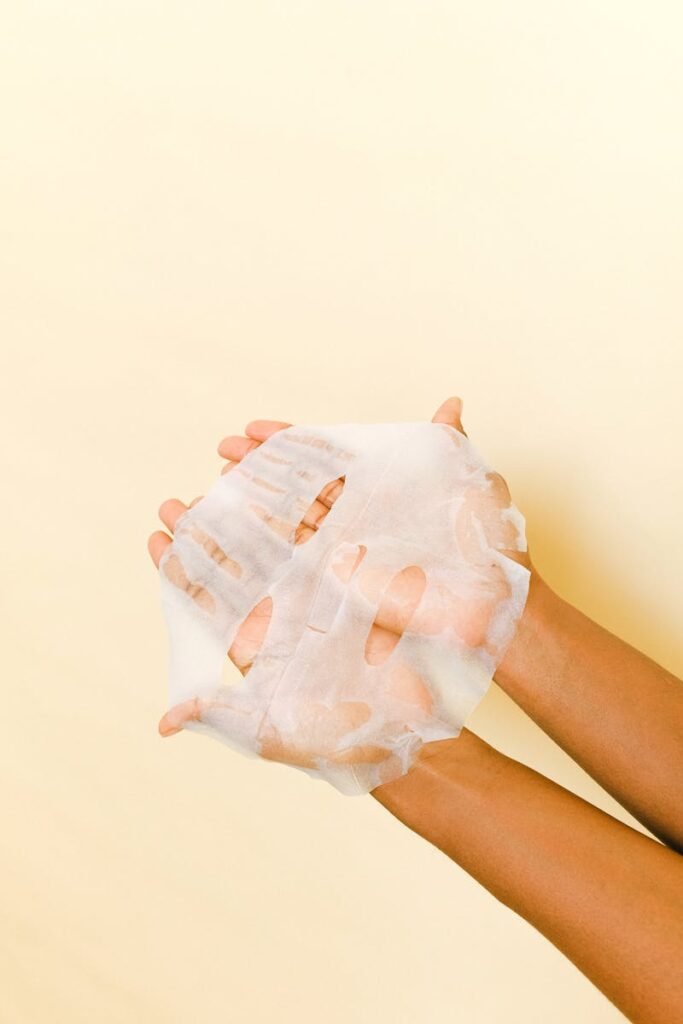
315	514
397	605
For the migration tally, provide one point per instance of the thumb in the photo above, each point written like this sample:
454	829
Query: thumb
450	412
232	715
178	716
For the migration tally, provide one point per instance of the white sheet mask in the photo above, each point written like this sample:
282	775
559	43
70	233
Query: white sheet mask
415	540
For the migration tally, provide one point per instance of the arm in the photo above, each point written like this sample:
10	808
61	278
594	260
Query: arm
608	897
612	709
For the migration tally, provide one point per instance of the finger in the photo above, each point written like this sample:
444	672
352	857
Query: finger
174	570
250	635
216	552
227	467
396	608
176	718
481	521
195	501
261	430
303	533
156	545
331	491
220	713
235	448
170	512
316	512
311	521
450	412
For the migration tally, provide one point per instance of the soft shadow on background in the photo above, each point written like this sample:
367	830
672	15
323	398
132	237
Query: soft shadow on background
319	212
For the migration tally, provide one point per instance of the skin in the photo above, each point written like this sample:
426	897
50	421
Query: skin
610	898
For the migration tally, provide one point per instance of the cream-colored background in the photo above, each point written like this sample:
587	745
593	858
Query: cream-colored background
319	211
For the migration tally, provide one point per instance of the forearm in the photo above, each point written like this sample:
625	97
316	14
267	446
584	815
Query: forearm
615	711
608	897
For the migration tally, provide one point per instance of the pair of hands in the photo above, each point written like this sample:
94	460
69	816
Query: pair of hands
397	600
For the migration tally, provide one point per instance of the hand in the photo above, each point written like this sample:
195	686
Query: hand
398	599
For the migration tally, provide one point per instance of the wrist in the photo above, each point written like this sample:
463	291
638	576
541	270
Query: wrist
466	764
458	770
528	654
